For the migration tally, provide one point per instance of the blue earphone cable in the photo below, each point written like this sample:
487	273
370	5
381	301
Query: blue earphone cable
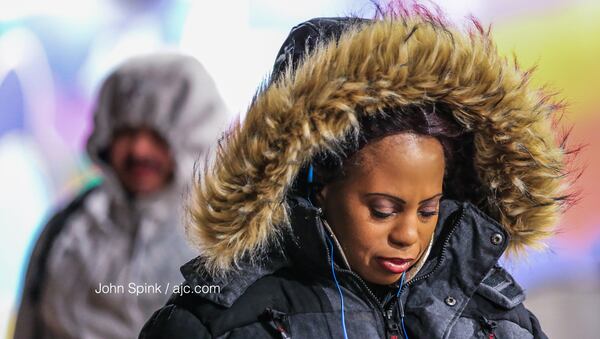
401	284
309	180
400	301
337	284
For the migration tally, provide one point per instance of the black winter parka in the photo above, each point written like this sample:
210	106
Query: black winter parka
460	292
267	248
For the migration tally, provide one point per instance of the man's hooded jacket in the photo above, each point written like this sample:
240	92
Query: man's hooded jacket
268	248
104	236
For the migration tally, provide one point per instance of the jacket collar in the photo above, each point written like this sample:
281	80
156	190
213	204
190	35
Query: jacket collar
465	243
307	245
466	249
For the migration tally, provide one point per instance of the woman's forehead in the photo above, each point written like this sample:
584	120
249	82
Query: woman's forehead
406	147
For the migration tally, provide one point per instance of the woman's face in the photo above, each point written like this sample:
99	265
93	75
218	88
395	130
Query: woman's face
384	210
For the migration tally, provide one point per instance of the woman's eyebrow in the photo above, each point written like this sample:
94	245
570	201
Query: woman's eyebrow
400	200
429	199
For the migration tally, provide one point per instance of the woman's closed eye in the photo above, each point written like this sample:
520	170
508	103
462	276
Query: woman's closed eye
383	210
381	214
428	210
384	213
428	214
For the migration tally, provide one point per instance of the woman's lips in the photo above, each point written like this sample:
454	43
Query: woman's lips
394	265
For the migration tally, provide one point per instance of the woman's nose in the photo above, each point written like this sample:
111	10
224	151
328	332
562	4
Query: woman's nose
405	231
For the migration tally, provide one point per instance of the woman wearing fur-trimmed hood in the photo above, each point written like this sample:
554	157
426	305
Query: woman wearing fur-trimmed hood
322	214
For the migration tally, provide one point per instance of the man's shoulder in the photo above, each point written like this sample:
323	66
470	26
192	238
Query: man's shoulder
40	252
67	207
57	220
56	224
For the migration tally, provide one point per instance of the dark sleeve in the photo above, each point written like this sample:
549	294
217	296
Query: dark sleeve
173	321
536	328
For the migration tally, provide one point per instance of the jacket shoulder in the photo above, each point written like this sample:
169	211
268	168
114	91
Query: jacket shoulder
282	292
51	231
174	321
500	287
28	323
497	307
57	222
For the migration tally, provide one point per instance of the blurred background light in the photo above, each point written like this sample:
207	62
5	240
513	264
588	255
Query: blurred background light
54	55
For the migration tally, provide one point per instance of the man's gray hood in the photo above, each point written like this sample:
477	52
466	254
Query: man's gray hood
170	93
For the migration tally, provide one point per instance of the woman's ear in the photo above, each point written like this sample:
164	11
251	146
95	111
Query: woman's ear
321	195
320	189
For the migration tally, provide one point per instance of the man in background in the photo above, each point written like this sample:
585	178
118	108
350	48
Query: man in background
104	263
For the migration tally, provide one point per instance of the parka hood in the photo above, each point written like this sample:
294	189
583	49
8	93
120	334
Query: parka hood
371	66
170	93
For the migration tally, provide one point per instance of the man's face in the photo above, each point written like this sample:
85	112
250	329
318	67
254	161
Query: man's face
141	159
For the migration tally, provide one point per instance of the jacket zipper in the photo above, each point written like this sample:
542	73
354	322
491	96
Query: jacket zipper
361	282
489	327
445	245
277	321
442	255
390	327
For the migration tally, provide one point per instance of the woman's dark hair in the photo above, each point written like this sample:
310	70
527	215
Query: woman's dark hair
429	119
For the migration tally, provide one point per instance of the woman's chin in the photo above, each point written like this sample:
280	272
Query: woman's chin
382	278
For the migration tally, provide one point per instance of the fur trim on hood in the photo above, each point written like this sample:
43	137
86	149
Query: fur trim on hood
240	210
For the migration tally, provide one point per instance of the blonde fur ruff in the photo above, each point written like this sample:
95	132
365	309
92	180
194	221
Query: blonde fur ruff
238	207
